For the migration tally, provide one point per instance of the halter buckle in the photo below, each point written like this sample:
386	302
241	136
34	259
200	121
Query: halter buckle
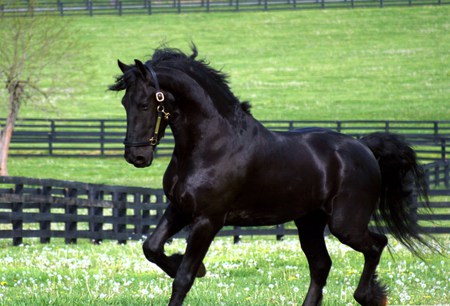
153	141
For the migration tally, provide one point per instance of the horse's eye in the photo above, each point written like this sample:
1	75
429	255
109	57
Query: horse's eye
144	107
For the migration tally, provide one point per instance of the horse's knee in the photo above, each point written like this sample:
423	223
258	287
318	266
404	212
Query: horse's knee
151	251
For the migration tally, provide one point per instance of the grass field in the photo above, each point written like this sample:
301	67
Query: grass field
255	272
390	63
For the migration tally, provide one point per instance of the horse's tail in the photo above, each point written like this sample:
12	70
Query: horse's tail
403	181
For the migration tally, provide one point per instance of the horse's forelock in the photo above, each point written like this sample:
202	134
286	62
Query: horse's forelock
119	84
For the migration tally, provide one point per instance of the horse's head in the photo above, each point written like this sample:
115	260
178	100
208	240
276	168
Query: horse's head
144	103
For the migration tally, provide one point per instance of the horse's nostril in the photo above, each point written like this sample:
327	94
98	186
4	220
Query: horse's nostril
139	160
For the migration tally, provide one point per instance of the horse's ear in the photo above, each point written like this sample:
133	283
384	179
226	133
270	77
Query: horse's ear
142	69
123	66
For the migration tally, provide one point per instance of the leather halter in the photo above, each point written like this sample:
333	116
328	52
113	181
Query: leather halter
153	141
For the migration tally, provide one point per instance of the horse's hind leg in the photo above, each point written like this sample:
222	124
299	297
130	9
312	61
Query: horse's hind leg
310	229
353	231
170	223
369	291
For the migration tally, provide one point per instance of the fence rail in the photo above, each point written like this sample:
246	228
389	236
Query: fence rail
116	7
45	209
101	137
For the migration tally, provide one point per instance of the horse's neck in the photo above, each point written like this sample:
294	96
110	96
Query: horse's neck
207	138
208	122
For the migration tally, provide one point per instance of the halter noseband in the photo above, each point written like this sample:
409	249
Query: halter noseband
153	141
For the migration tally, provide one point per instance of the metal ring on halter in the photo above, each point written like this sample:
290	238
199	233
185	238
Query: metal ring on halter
159	96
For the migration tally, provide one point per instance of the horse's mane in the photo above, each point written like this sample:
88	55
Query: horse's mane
184	62
202	72
199	69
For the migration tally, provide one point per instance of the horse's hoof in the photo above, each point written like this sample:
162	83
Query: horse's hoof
202	271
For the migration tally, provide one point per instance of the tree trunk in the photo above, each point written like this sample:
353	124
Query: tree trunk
15	90
6	140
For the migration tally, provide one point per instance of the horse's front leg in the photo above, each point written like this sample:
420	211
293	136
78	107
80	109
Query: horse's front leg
203	231
170	223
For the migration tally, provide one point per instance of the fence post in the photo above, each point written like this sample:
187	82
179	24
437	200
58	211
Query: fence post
90	9
61	8
436	175
17	223
71	218
387	126
436	128
236	236
96	215
291	123
280	227
149	7
44	211
179	6
120	212
51	137
145	215
447	174
31	8
17	218
426	173
102	125
443	149
120	8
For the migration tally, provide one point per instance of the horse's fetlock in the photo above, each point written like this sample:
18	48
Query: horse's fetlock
372	296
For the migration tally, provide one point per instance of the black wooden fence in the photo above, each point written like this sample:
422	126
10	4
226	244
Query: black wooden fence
122	7
45	209
101	137
71	210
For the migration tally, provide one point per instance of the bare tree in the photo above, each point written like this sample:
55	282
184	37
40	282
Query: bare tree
30	46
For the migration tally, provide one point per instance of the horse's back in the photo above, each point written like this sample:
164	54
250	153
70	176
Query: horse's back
327	148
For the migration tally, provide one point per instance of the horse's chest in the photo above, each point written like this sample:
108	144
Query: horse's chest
197	195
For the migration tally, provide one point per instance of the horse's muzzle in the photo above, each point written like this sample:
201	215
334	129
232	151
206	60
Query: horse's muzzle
140	157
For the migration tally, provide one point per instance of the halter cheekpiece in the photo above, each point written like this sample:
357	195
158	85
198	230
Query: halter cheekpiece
159	95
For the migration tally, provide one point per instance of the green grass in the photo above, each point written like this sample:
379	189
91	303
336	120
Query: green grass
113	171
390	63
267	272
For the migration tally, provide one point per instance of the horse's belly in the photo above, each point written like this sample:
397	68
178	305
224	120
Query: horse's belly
267	215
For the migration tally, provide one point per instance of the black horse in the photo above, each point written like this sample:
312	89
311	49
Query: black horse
227	169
